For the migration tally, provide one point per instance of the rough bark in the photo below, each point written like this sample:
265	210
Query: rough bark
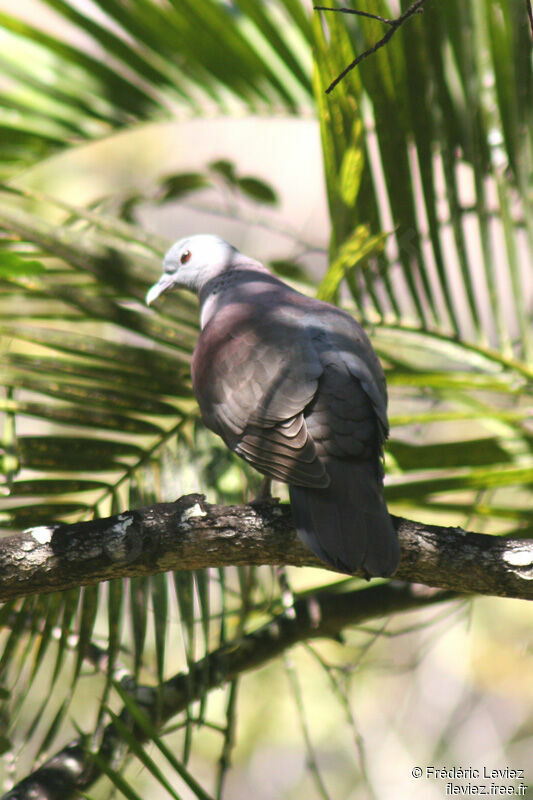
191	534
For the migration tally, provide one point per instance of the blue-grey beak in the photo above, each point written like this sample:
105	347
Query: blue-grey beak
164	283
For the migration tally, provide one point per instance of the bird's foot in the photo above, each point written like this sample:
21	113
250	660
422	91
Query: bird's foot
264	493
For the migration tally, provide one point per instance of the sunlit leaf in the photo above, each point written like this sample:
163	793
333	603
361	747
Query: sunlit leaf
357	247
11	264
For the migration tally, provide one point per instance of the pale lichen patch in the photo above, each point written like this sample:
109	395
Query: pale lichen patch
520	560
42	533
195	510
117	545
124	522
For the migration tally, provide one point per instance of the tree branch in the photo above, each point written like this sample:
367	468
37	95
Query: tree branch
324	614
191	534
393	24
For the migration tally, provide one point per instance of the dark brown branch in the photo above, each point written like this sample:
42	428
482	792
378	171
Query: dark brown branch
191	534
530	15
324	615
393	24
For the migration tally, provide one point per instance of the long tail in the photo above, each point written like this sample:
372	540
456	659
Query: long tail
347	524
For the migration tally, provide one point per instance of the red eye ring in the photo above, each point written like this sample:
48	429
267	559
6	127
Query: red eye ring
185	256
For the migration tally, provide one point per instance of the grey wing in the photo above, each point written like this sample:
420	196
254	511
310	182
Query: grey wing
347	523
254	372
341	342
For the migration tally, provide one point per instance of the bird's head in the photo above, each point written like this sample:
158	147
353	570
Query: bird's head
191	263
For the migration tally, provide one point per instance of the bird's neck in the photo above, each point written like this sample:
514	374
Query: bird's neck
214	294
208	308
233	286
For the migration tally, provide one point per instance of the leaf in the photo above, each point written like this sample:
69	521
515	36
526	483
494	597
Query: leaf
251	186
12	265
226	169
257	190
475	478
115	777
360	245
273	33
289	269
448	455
125	364
176	186
150	733
127	96
159	598
9	456
352	167
67	454
87	620
139	618
20	517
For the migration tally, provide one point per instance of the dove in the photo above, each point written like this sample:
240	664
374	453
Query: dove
293	386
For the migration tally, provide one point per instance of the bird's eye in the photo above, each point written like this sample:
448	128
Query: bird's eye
185	256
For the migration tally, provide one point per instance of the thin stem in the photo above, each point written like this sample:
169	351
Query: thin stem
229	737
359	13
342	696
394	24
311	755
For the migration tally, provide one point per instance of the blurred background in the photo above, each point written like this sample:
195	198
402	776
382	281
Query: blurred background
406	196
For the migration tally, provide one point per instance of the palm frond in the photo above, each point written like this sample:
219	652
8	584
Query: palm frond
456	254
135	63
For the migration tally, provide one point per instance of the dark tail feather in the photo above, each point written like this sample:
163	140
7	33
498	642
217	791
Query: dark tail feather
347	524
